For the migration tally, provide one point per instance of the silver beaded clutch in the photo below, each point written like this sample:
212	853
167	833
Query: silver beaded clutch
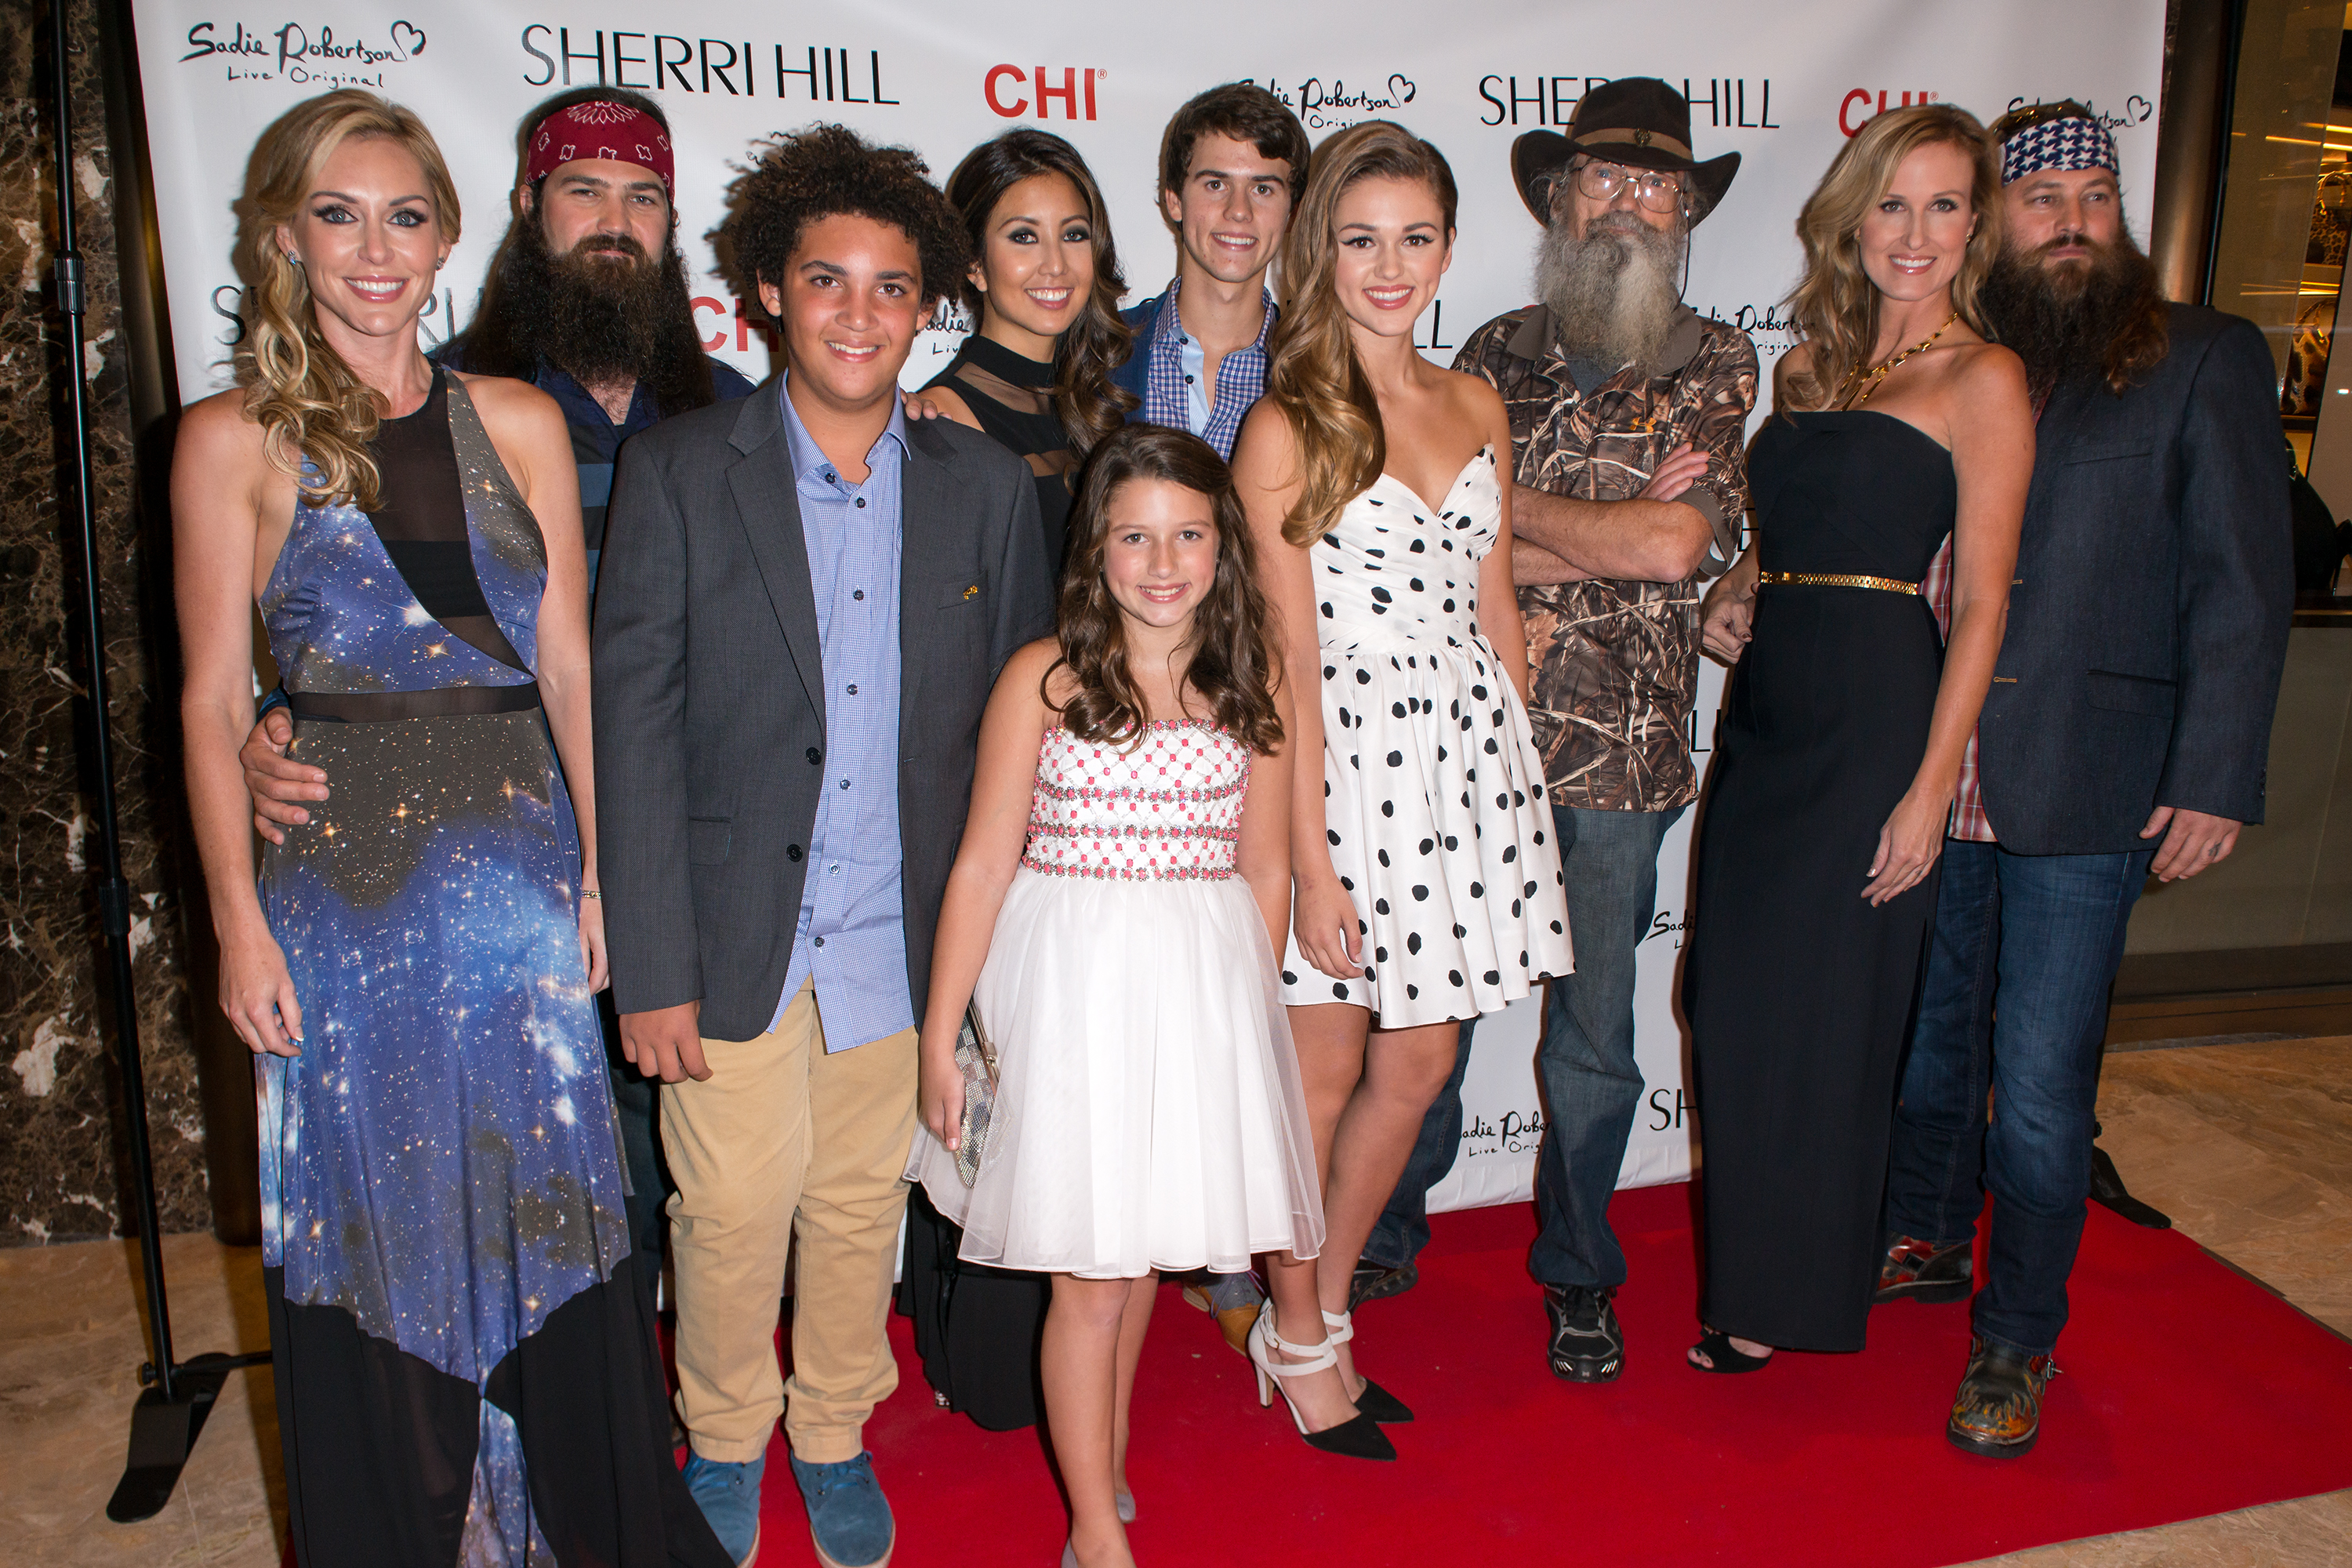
975	1058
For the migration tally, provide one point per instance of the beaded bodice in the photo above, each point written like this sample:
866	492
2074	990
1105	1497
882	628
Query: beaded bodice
1170	809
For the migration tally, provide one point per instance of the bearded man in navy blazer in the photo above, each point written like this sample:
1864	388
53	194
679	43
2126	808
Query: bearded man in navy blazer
2125	731
803	602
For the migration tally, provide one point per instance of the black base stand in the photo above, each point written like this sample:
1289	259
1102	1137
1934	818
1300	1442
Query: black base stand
2108	1188
168	1417
164	1430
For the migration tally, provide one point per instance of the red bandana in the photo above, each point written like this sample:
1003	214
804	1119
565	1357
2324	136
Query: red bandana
599	128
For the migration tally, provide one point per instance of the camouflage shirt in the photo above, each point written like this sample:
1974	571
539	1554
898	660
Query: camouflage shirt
1616	664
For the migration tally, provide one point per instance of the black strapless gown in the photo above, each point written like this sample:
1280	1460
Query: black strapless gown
1797	991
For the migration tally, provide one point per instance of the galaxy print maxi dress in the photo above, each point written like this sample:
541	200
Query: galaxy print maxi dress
467	1370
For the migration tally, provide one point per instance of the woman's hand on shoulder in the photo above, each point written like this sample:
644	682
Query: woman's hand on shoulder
938	403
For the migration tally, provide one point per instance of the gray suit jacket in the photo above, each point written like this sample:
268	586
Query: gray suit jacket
710	687
2155	586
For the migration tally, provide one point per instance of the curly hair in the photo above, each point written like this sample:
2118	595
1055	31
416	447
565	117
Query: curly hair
800	177
1088	402
1312	374
1232	664
1835	307
308	402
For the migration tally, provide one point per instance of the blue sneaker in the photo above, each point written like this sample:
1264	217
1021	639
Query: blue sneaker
729	1498
849	1517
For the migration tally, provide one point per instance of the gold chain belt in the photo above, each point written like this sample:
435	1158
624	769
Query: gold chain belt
1840	580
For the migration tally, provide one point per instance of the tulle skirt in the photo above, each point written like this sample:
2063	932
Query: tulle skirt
1149	1113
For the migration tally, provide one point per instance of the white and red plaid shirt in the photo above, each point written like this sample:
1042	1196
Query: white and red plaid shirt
1968	820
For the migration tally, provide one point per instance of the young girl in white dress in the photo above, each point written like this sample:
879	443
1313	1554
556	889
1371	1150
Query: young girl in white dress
1428	886
1113	916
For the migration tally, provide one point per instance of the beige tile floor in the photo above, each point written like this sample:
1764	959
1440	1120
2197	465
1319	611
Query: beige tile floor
2247	1147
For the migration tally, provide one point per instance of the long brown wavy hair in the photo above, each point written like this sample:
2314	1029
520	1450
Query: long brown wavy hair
307	402
1835	307
1085	399
1312	372
1233	664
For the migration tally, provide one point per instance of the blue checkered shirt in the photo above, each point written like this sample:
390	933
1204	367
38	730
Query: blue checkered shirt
1174	397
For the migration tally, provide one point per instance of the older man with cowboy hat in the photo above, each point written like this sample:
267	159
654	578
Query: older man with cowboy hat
1628	416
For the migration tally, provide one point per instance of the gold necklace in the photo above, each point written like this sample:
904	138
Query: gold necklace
1869	381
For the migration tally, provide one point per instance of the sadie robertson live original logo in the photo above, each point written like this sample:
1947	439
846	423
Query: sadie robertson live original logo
311	54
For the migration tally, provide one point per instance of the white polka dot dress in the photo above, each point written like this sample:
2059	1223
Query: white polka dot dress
1434	793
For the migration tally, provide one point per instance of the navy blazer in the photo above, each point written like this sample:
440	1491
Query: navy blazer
2154	588
708	695
1134	372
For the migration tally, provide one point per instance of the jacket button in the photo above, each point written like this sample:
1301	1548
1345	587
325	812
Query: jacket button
814	756
791	851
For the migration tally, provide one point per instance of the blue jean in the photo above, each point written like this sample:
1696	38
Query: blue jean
2040	936
1592	1086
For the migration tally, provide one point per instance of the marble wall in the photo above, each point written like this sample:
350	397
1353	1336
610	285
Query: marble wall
61	1172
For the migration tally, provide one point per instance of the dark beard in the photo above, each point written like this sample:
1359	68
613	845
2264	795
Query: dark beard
2066	322
1614	294
602	312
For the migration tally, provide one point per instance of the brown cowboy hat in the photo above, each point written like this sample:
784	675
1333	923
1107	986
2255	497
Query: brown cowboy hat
1636	120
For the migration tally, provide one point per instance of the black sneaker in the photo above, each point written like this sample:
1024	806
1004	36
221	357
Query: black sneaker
1587	1346
1373	1282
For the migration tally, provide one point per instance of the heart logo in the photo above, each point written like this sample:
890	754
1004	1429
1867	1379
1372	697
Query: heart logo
408	38
2140	109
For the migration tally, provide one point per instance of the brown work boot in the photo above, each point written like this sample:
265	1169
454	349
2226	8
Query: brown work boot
1998	1410
1923	1271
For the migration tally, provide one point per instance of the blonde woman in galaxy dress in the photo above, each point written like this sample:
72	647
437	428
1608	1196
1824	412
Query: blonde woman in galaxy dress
465	1365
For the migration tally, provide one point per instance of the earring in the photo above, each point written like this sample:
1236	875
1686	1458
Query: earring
294	258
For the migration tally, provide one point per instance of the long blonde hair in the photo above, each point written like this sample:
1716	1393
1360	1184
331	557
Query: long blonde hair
1835	307
1312	372
298	388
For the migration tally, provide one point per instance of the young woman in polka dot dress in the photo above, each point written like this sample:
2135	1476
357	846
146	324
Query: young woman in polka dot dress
1113	917
1427	888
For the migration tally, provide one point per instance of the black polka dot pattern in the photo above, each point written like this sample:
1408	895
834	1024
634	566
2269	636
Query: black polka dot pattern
1415	710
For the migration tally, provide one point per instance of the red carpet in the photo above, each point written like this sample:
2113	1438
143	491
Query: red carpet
2188	1391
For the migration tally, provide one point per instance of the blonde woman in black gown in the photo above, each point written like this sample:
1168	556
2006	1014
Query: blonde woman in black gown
1895	426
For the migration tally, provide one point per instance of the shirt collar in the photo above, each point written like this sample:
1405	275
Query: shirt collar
808	457
1539	336
1171	328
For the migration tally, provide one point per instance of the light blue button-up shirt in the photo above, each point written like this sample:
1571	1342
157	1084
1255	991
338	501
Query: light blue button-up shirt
852	935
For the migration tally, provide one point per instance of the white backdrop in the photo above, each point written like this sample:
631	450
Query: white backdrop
1782	85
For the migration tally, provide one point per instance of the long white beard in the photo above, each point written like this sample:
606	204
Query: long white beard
1613	293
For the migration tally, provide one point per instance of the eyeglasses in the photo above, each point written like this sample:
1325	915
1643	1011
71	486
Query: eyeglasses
1601	181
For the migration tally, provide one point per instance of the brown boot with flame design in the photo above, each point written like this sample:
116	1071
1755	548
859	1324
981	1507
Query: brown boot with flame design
1998	1410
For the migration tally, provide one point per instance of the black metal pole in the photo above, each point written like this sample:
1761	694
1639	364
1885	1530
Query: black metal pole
168	1416
113	892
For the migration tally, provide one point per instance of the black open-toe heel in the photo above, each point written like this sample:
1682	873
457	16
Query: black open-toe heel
1715	1345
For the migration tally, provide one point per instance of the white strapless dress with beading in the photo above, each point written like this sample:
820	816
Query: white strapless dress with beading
1149	1113
1433	800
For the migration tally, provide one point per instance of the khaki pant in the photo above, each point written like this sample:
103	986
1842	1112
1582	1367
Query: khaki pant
782	1140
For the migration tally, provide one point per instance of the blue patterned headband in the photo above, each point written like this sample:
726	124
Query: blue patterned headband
2065	144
